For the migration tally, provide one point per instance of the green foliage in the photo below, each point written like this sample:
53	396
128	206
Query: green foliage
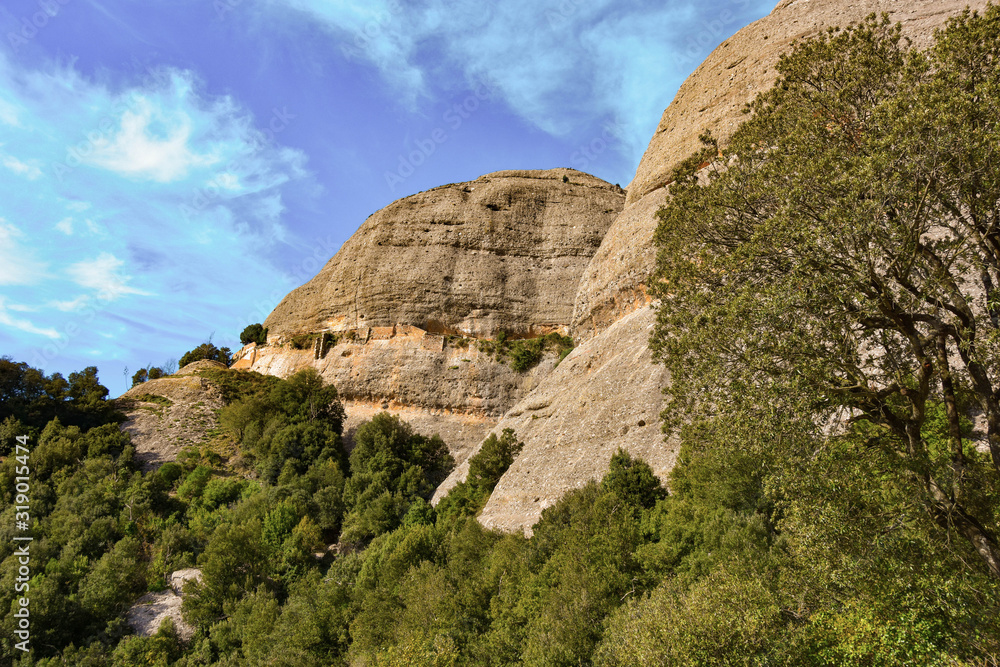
148	373
525	354
153	398
206	351
303	341
35	399
254	333
296	421
195	482
486	468
391	468
633	481
829	265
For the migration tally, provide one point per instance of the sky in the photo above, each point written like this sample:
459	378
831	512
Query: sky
169	170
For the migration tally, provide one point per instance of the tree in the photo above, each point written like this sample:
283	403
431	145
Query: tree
254	333
843	258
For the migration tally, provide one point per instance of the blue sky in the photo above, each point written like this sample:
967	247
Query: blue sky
170	170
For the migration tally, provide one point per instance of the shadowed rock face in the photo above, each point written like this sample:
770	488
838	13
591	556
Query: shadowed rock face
713	98
503	252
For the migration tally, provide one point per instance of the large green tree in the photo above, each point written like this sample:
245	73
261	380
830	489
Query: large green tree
841	257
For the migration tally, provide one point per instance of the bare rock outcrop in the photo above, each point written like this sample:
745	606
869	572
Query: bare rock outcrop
466	261
561	451
503	252
167	414
518	251
149	611
450	388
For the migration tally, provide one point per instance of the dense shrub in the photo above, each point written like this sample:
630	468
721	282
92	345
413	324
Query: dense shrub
254	333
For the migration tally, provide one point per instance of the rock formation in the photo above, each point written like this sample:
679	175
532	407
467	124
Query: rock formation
409	296
562	452
468	268
503	252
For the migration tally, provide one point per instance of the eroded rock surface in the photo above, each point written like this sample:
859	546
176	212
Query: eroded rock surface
606	394
575	435
503	252
450	388
713	98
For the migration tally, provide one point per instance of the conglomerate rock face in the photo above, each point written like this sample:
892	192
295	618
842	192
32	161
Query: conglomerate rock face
503	252
604	396
518	251
713	98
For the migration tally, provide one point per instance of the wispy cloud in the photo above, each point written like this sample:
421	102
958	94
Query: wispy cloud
103	274
18	265
137	149
23	325
566	66
12	164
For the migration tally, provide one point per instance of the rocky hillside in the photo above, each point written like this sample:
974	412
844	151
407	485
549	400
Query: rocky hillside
607	393
170	413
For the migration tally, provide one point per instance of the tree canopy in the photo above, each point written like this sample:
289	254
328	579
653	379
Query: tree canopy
840	259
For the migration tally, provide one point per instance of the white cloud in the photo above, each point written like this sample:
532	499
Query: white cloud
17	263
103	275
8	113
150	143
105	242
21	324
31	172
73	305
